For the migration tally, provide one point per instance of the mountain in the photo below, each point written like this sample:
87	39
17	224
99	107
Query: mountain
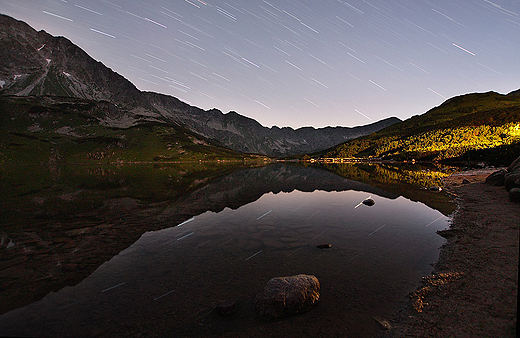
244	134
37	64
50	129
478	126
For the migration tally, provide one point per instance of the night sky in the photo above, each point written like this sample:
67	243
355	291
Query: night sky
296	62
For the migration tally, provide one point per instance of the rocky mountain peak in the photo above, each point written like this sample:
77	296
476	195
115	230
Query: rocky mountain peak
37	64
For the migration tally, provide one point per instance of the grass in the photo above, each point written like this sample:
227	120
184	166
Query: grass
68	130
461	125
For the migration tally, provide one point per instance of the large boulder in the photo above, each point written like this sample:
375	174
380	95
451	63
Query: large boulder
515	166
287	296
514	195
512	176
512	180
497	178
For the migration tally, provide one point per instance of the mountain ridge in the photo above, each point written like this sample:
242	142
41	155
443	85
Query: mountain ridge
244	134
482	126
46	57
37	64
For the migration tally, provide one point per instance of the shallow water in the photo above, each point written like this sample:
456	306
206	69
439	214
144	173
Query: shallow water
169	280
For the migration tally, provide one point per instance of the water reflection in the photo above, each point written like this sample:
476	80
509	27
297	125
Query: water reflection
401	179
237	231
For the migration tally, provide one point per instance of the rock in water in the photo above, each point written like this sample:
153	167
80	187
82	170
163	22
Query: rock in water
287	296
435	188
370	202
324	246
225	309
383	322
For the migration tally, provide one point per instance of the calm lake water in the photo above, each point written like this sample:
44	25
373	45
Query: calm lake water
114	259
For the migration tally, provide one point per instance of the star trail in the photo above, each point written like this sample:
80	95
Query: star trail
299	62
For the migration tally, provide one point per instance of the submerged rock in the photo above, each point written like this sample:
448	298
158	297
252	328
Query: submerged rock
435	188
385	324
226	309
287	296
370	202
324	246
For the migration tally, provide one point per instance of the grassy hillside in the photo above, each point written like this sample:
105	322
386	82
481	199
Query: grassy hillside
65	130
474	123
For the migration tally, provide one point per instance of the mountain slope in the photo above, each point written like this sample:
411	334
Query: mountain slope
35	63
244	134
47	129
478	122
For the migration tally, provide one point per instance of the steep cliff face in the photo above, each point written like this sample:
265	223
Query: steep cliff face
37	64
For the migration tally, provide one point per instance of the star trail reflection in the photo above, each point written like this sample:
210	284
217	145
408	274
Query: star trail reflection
167	282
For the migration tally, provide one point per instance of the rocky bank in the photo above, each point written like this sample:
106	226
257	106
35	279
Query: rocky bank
473	289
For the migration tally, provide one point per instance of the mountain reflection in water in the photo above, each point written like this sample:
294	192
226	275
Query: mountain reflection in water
237	231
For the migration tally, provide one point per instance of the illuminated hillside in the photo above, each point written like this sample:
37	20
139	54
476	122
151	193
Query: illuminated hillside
473	123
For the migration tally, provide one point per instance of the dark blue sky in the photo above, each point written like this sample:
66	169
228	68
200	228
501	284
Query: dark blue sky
296	62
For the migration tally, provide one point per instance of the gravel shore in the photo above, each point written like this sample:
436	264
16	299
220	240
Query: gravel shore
473	289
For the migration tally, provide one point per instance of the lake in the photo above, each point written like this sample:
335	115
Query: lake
149	250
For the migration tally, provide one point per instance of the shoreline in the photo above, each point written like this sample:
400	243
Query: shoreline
473	289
